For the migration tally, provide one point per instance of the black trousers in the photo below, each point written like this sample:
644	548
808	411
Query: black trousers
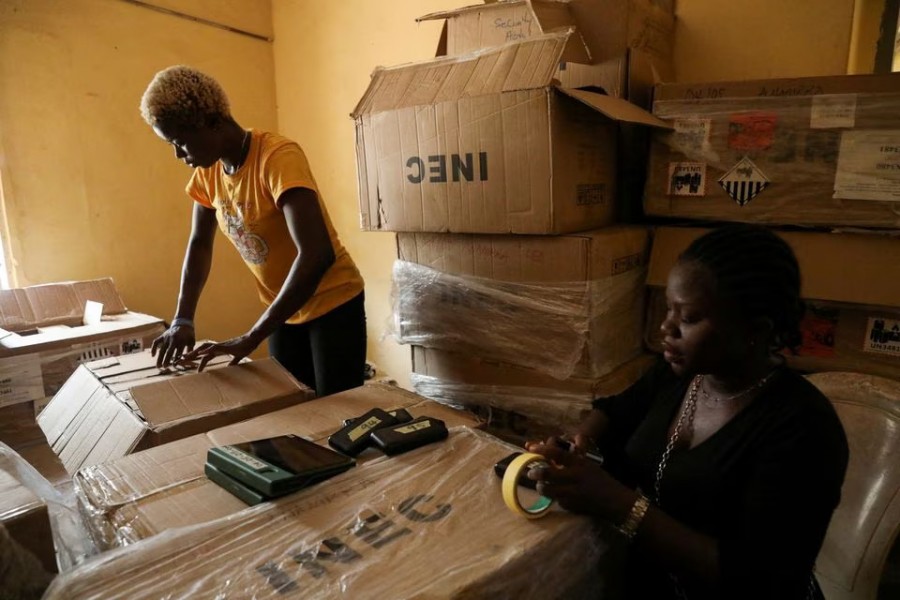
329	353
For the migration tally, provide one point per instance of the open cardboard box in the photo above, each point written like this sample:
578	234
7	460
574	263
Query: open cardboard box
486	143
46	331
621	46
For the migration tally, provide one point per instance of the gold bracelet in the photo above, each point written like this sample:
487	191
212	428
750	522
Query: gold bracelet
635	516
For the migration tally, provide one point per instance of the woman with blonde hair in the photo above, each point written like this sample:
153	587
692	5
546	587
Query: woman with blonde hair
259	188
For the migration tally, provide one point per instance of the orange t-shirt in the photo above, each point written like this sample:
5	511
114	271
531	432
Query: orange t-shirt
249	214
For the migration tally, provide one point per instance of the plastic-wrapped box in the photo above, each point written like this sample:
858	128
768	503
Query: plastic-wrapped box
429	523
138	496
565	306
517	404
810	151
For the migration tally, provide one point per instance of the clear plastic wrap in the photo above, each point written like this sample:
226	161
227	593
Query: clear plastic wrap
70	537
585	328
546	405
799	157
427	524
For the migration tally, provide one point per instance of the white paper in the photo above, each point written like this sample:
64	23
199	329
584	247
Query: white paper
93	312
868	166
691	134
833	111
21	379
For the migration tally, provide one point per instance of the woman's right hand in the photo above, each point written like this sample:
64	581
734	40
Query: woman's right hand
174	342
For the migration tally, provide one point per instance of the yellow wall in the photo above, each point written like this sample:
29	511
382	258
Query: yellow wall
325	51
89	190
758	39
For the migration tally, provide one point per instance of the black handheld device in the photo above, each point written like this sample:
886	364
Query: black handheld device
408	436
354	438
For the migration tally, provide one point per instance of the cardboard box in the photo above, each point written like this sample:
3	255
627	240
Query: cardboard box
811	151
517	405
146	493
426	524
112	407
621	46
47	331
24	309
851	284
25	518
484	143
565	306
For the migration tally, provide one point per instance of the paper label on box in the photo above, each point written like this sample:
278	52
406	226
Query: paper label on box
882	336
832	111
744	181
691	134
687	179
868	166
751	131
93	313
21	379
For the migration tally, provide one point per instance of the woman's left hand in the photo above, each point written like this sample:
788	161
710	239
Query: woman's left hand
238	347
581	485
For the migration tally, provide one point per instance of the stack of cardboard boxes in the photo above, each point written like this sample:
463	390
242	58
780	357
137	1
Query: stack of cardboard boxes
818	152
47	331
504	165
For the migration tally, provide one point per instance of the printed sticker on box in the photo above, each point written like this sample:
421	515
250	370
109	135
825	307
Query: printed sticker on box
868	166
831	111
744	181
687	179
818	329
882	336
752	131
691	135
21	379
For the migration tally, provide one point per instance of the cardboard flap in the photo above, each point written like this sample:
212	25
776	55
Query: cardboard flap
556	17
550	16
518	66
56	303
100	290
171	400
609	28
616	108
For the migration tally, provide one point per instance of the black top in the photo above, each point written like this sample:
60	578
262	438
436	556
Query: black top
764	485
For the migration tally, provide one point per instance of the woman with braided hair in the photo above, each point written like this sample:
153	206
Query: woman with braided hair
259	188
723	466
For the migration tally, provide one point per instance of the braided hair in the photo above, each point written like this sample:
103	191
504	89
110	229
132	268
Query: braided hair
757	271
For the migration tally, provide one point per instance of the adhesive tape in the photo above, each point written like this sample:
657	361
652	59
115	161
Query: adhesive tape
510	487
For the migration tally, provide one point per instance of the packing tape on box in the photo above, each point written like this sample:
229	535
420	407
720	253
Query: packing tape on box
510	487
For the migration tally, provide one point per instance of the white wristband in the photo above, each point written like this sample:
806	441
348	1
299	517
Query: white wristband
182	322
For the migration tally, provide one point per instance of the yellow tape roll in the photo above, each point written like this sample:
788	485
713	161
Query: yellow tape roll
510	487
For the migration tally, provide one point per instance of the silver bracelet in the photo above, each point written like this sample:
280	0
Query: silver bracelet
182	322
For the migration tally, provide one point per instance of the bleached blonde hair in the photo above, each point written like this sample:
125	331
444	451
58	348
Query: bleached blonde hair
184	96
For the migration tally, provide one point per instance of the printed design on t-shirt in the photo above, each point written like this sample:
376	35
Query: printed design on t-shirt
252	248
